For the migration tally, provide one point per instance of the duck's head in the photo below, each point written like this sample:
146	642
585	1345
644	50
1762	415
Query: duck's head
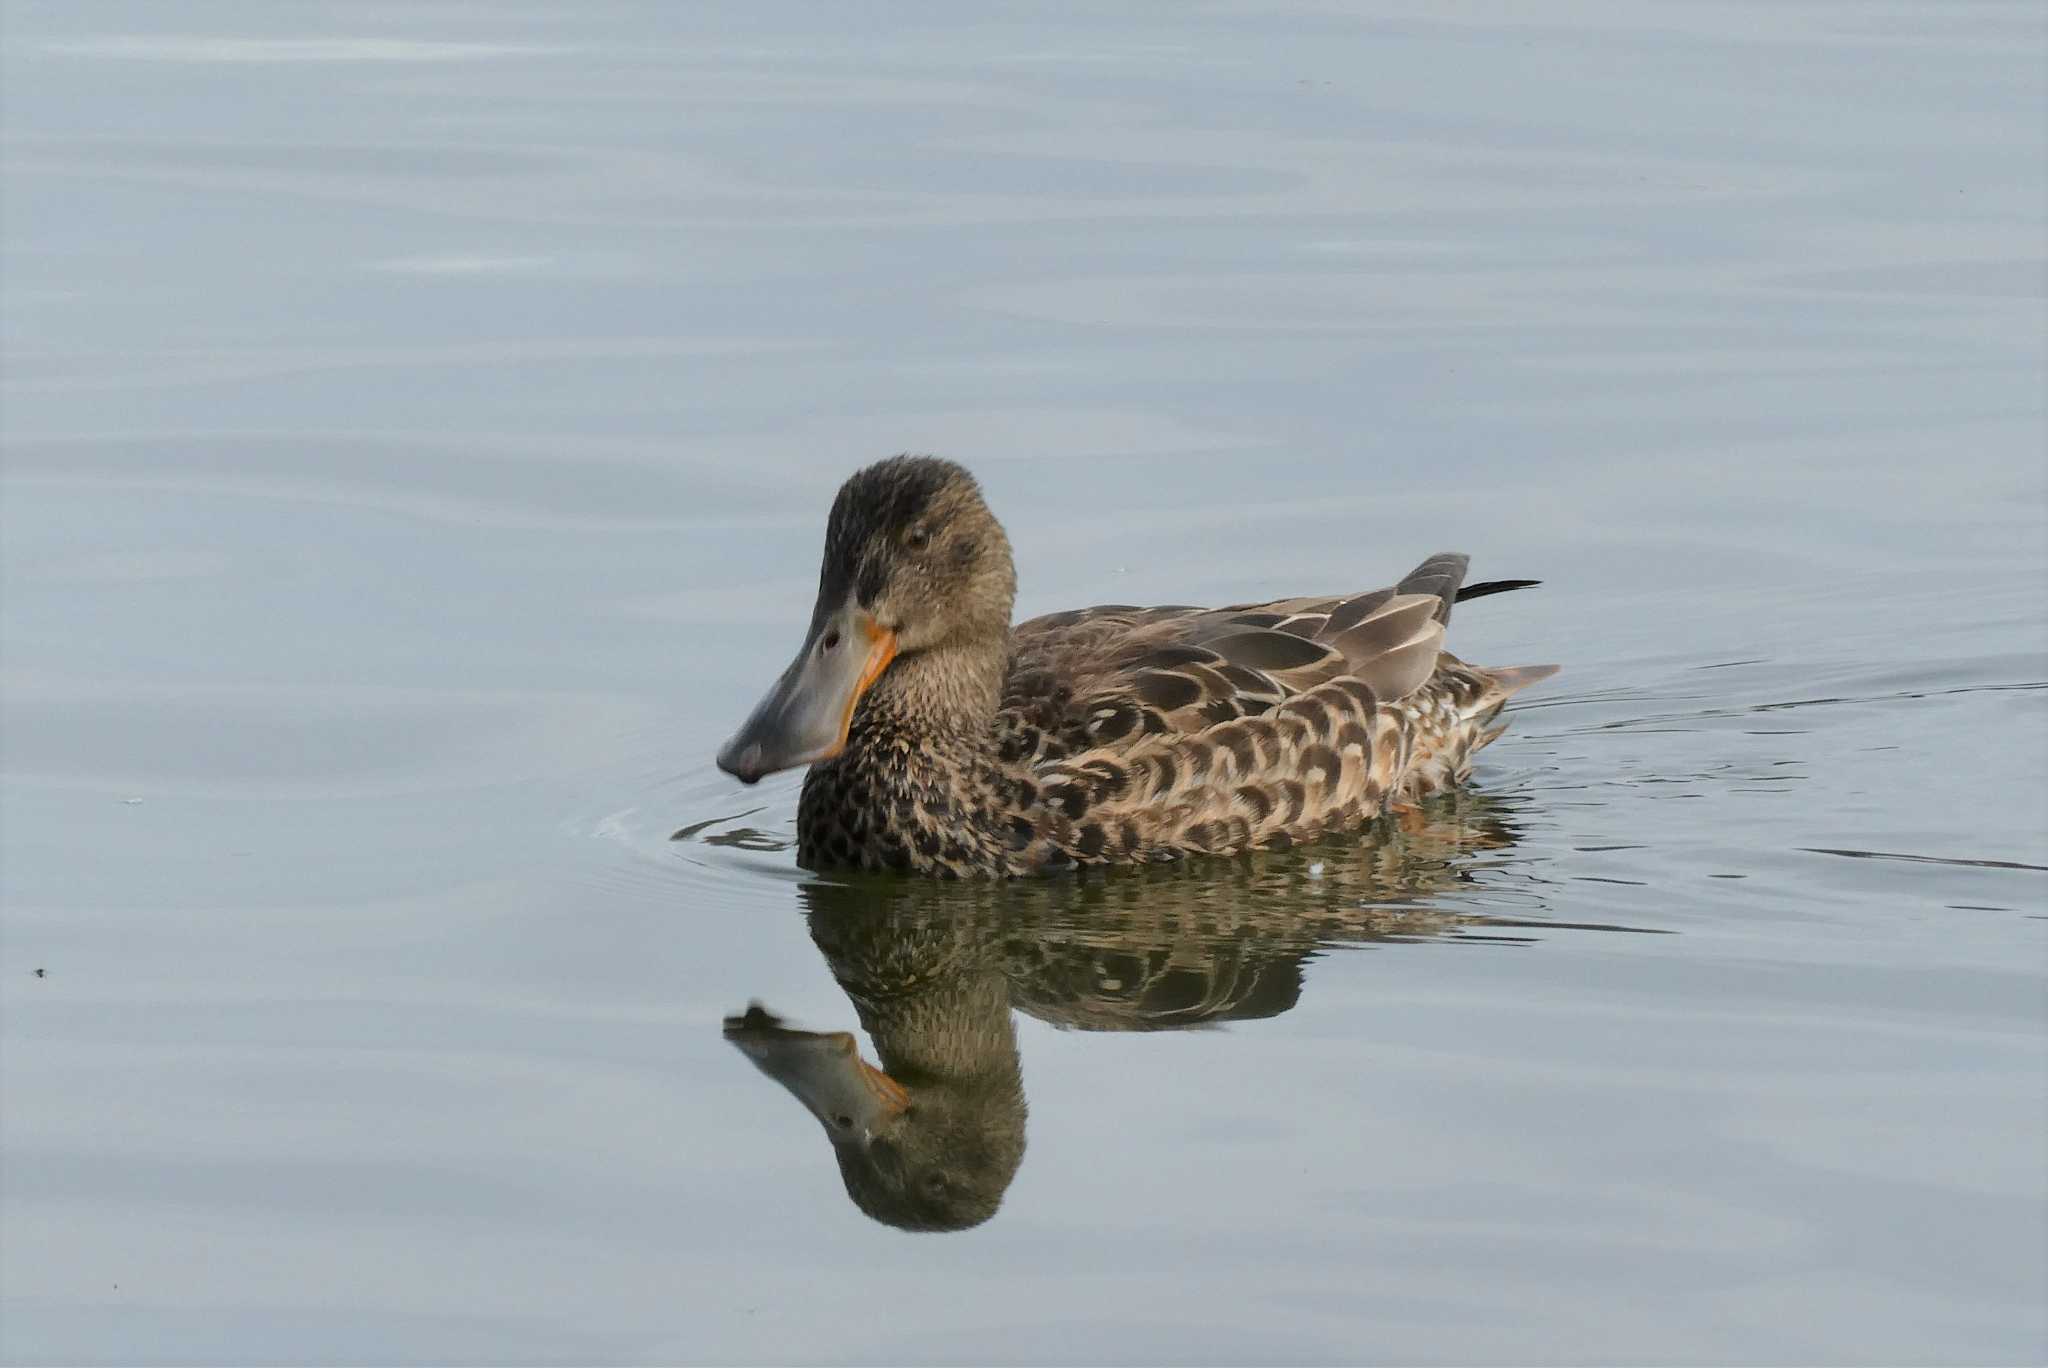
914	563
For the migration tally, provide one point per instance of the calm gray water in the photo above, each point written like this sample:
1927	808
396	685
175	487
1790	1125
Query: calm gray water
420	420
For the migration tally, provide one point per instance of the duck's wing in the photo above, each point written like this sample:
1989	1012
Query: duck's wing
1108	675
1151	733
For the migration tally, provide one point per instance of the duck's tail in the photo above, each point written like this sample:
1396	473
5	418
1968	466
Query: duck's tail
1509	680
1473	591
1443	576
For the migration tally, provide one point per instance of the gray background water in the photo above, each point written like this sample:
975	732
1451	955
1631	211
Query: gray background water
419	424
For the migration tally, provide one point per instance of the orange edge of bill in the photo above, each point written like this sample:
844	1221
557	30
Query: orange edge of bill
881	650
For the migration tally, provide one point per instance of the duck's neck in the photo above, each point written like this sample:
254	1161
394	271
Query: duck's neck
912	788
950	692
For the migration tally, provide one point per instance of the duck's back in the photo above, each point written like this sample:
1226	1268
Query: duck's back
1154	732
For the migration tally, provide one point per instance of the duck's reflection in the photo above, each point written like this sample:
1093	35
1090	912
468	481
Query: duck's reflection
932	1138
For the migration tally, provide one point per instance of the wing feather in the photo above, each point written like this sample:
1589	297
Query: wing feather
1113	678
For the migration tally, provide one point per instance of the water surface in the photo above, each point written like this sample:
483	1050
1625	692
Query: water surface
419	424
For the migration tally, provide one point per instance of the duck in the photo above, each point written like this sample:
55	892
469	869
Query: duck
943	741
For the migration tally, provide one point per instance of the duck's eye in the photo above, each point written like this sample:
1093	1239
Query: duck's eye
918	537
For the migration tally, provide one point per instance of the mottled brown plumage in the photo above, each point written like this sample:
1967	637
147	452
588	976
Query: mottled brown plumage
1114	734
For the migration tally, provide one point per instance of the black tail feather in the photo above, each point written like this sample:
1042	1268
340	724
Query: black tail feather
1473	591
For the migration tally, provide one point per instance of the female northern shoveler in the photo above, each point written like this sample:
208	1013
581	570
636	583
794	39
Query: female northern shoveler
944	741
